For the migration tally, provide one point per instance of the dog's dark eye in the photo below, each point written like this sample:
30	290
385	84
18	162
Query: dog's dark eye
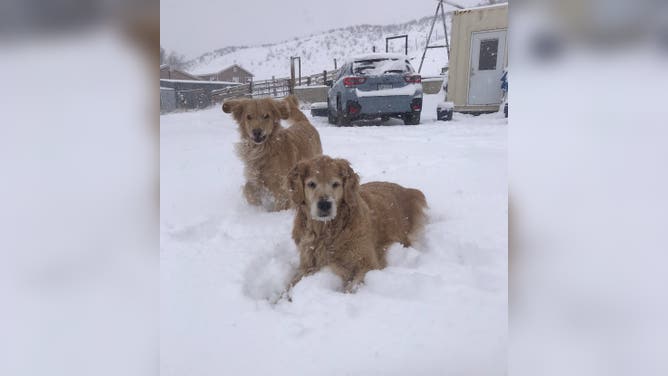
311	184
336	184
266	116
248	117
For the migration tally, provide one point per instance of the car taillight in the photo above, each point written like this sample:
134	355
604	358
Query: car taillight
413	79
353	81
416	104
353	108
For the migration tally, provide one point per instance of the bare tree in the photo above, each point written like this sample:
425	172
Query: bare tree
175	60
162	55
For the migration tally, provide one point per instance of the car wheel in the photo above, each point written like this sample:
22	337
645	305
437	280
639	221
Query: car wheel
343	120
412	118
331	119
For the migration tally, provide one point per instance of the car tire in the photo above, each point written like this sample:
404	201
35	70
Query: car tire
342	120
331	119
412	118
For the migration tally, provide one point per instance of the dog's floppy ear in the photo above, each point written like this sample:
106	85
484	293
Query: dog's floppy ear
282	108
351	181
296	183
235	107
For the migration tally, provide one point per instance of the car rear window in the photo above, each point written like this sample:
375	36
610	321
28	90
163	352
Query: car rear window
373	67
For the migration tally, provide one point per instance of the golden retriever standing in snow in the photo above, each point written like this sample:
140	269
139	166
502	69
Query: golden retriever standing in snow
346	226
268	150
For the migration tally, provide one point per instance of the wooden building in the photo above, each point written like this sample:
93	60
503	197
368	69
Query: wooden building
233	73
169	73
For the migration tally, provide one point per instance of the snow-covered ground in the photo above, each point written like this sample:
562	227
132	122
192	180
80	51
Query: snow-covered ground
439	308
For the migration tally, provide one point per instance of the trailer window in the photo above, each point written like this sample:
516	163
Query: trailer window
488	52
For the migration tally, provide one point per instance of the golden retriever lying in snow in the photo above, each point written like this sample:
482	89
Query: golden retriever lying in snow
268	150
346	226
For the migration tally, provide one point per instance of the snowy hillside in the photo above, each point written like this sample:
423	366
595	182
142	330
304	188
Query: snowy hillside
318	51
439	308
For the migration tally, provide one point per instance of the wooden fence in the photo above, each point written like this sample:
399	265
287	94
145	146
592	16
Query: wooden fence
275	87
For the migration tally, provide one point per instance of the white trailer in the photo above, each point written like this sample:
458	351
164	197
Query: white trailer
478	57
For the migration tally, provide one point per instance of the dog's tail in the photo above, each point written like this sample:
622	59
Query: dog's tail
296	115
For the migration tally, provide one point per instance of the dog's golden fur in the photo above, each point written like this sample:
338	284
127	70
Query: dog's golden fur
269	156
368	219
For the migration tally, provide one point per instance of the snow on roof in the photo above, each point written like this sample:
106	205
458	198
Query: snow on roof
164	66
373	56
480	8
371	68
206	70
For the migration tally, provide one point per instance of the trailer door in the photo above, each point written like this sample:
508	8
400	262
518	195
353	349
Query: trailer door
488	50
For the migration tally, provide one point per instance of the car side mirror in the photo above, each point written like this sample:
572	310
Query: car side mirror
329	83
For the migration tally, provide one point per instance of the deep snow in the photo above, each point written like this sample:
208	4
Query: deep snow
439	308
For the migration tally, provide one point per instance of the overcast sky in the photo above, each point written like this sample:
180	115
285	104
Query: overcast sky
193	27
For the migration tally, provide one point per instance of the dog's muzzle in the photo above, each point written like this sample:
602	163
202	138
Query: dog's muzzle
324	210
258	136
324	206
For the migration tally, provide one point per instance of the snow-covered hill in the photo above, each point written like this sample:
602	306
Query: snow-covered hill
318	51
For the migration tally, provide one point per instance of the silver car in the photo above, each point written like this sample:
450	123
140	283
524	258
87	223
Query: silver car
375	86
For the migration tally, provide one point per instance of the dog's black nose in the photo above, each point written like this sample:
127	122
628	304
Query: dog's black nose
324	205
257	132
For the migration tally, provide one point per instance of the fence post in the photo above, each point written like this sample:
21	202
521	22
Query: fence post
324	77
291	83
273	84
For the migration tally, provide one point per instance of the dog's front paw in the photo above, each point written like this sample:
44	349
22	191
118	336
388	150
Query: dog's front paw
253	195
352	287
284	296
